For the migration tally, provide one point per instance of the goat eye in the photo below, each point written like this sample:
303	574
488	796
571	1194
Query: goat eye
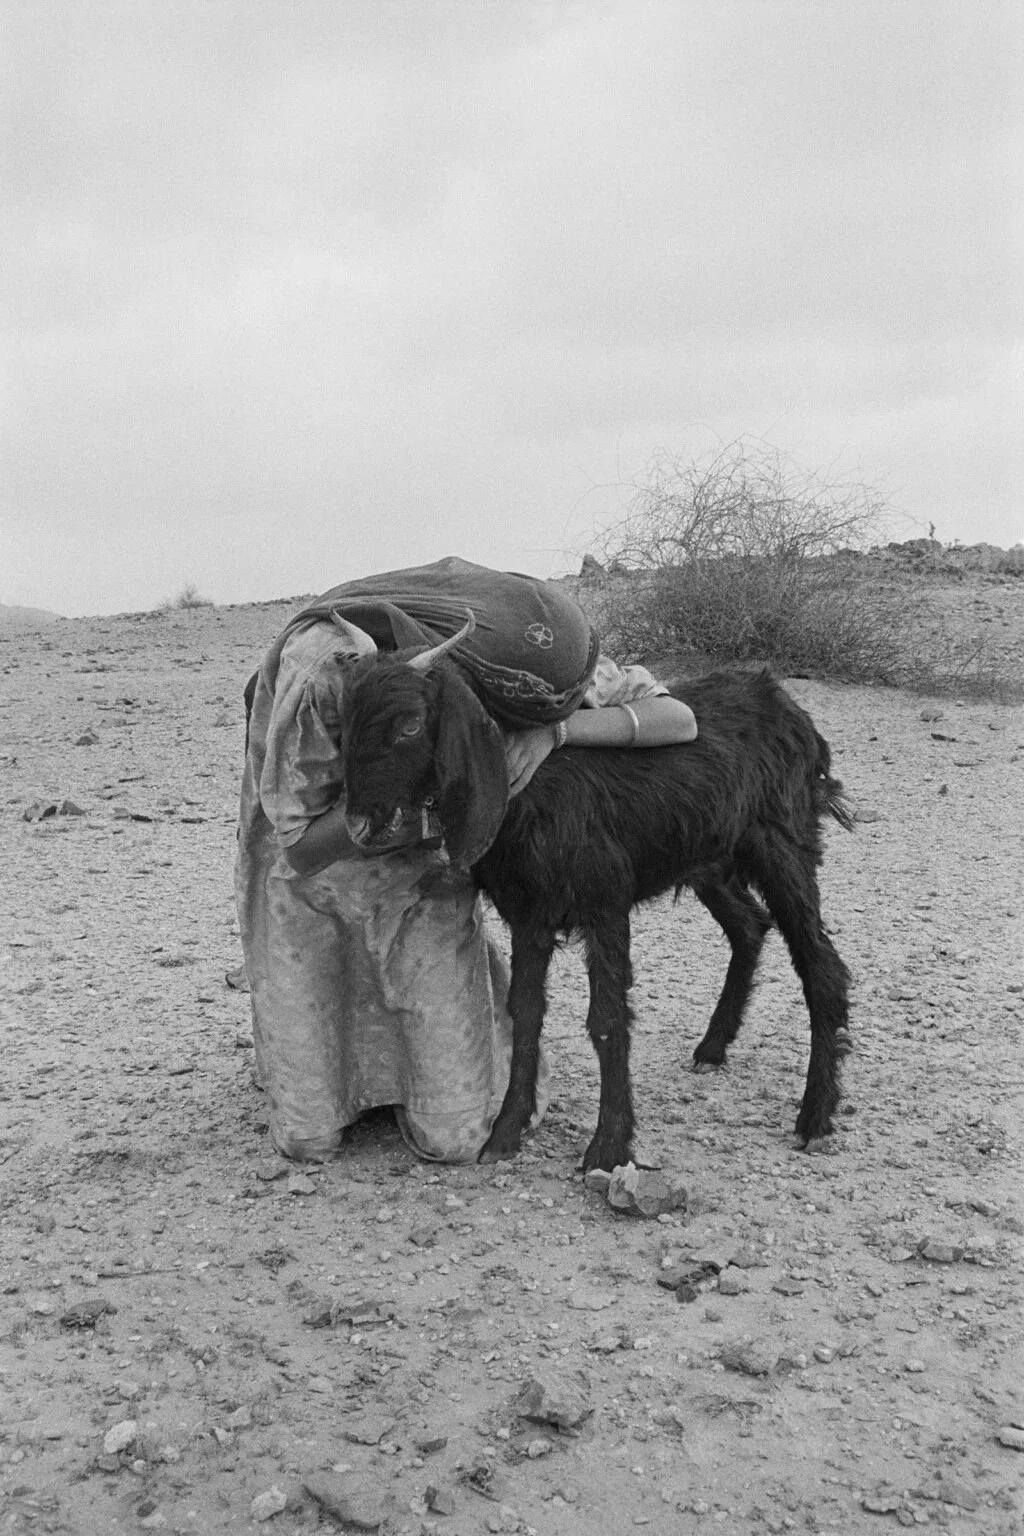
410	728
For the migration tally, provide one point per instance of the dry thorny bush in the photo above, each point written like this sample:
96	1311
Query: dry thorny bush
746	557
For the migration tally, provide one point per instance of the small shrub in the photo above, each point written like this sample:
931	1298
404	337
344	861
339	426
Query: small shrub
813	618
744	556
747	499
943	663
190	597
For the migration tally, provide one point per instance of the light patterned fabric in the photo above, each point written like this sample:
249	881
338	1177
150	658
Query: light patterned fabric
373	982
612	684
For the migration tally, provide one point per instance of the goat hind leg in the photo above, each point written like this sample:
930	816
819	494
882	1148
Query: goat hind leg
608	1023
827	993
531	956
790	887
744	923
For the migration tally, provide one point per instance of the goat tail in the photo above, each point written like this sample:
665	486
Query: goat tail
830	797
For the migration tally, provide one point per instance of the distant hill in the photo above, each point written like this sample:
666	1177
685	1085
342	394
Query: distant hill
14	617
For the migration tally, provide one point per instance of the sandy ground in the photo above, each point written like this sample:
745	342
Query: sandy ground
188	1324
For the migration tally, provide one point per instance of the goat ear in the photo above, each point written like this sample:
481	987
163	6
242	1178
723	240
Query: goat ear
470	768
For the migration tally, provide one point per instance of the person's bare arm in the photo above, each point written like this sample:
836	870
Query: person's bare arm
326	840
661	721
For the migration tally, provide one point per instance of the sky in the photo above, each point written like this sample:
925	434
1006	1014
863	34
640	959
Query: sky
296	290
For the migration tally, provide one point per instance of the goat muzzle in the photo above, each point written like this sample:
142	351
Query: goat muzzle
367	832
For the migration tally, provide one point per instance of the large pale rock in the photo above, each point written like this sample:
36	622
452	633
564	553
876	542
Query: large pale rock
882	1503
938	1252
951	1490
351	1502
268	1504
119	1437
440	1500
551	1397
588	1300
369	1428
644	1192
86	1314
751	1356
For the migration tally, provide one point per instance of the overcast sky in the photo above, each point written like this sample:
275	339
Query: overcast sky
298	289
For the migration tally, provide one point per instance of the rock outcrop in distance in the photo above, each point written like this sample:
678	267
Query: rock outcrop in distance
12	616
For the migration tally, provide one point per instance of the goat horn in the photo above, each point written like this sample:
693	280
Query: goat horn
425	660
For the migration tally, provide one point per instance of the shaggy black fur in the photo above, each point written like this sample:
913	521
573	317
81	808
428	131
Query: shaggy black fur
597	831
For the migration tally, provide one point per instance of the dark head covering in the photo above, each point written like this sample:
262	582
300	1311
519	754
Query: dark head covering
532	652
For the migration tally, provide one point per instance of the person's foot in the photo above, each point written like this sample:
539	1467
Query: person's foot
311	1149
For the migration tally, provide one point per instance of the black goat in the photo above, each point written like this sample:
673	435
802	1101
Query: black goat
597	831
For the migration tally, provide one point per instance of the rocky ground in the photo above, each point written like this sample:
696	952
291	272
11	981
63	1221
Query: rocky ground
195	1336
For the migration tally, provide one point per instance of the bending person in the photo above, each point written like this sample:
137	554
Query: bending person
373	982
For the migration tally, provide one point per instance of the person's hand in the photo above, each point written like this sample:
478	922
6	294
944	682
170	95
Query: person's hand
525	751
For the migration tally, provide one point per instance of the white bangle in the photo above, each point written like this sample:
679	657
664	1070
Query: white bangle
635	723
561	734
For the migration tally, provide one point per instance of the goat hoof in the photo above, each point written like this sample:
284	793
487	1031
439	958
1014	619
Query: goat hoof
606	1161
704	1066
499	1149
812	1129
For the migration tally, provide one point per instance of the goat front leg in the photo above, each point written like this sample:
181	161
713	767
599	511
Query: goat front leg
531	956
608	1023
